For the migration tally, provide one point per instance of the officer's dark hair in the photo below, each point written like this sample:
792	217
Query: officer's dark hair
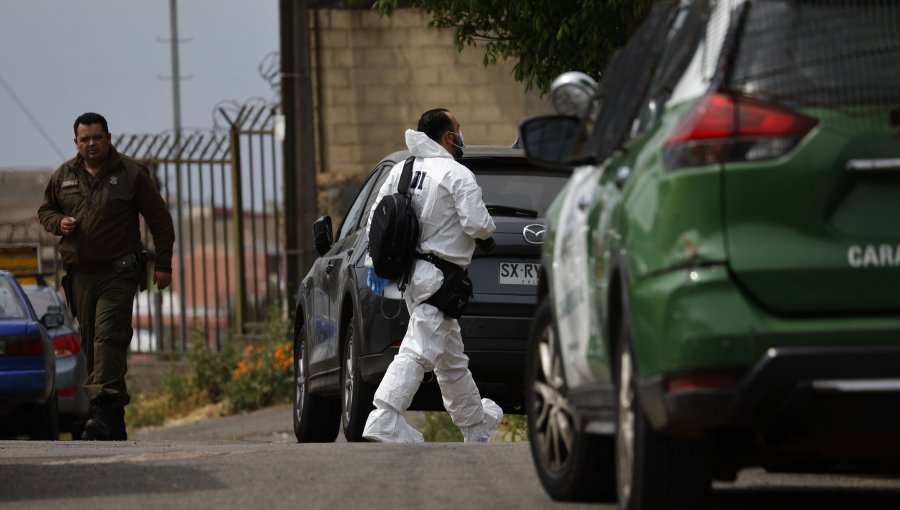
434	123
88	119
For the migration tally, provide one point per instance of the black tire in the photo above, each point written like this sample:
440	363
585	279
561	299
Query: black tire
572	465
654	471
356	394
45	420
316	418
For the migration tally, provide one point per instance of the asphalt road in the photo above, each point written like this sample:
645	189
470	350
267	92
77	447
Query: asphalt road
252	461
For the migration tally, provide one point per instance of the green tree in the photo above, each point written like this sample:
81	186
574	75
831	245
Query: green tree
543	37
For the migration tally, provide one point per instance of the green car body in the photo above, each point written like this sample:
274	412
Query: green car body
757	285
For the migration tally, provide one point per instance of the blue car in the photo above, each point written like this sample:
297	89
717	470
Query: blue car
28	404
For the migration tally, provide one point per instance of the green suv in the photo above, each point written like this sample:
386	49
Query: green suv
720	279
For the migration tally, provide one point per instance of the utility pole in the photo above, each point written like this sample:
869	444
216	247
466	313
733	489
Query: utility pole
176	119
300	190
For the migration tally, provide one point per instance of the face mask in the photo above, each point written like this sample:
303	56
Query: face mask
462	142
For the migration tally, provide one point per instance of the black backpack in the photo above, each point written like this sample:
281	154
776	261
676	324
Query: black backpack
394	233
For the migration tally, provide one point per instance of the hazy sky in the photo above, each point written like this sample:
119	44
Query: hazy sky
62	58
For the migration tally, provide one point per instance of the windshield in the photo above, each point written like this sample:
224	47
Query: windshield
519	188
10	306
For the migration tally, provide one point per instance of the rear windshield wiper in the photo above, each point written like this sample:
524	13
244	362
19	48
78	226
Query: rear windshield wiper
505	210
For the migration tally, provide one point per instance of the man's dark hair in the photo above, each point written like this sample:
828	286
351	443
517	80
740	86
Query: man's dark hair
90	118
434	122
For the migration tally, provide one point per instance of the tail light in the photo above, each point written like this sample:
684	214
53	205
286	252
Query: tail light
66	345
706	380
22	346
67	392
724	128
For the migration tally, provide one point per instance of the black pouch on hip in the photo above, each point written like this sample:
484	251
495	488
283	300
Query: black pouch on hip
453	296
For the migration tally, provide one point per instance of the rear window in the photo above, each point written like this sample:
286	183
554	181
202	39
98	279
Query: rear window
41	301
520	187
10	306
821	52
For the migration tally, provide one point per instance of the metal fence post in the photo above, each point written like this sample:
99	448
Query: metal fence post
237	211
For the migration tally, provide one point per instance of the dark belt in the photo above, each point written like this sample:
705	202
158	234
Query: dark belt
122	262
444	265
93	267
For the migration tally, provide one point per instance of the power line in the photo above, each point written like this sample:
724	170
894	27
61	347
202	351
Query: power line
32	118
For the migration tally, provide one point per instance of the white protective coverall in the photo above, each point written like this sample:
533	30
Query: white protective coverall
451	214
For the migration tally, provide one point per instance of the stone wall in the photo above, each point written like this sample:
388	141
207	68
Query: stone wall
375	75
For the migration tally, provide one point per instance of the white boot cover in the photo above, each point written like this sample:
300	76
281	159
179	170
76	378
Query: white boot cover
389	426
482	432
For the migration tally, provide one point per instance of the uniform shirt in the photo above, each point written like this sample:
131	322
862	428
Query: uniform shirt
106	207
446	199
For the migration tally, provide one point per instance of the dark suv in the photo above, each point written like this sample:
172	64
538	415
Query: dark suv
345	336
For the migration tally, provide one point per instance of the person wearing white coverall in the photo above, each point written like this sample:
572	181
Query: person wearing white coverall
451	213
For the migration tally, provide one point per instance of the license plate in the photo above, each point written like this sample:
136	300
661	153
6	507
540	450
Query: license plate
519	273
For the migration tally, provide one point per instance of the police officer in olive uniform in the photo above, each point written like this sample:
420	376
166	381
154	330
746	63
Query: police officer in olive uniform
93	202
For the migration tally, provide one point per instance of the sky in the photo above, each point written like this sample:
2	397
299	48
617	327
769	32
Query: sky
61	58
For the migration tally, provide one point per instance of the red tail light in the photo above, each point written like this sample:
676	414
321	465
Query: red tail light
22	346
710	380
66	345
722	128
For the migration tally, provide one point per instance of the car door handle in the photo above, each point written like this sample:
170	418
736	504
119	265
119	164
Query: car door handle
329	267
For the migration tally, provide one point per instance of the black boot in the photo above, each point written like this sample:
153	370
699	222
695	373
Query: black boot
99	426
118	432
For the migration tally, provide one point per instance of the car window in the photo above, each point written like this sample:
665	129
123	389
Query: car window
351	221
519	186
10	306
681	43
624	86
820	53
385	171
40	301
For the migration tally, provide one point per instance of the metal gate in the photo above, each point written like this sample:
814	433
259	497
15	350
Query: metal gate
223	188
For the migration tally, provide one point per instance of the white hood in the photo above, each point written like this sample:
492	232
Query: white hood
421	146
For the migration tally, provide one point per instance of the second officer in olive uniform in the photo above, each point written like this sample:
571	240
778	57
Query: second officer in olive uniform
93	202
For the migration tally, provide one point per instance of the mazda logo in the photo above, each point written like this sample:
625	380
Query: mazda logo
534	234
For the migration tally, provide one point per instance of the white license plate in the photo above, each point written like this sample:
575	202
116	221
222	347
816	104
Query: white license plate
519	273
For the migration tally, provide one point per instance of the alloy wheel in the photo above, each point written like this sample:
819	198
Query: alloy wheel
554	423
626	424
299	380
349	374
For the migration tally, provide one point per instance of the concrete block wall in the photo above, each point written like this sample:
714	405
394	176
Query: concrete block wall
376	75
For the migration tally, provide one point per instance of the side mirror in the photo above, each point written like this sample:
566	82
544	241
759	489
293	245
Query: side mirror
323	235
53	319
550	140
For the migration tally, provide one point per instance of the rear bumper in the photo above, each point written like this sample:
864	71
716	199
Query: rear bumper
70	376
24	387
853	388
809	385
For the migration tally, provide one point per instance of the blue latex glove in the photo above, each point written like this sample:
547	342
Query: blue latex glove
376	283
